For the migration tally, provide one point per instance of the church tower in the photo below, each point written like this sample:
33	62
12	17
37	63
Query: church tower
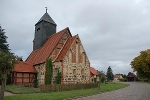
44	28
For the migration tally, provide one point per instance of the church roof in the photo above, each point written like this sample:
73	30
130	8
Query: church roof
40	55
65	48
46	17
24	67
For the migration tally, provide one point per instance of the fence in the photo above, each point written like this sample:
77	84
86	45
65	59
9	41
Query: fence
66	87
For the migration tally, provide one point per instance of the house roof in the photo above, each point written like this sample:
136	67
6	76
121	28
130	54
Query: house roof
131	75
65	48
40	55
24	67
46	17
93	71
117	75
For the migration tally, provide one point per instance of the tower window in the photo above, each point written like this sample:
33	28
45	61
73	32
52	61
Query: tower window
38	29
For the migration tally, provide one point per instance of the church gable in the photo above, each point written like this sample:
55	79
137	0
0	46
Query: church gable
75	63
60	45
40	55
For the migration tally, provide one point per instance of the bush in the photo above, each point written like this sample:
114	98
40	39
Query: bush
122	79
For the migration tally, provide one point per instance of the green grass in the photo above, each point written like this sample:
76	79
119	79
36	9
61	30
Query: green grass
66	94
21	90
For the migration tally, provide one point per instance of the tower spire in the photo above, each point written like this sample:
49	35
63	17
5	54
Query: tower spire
46	9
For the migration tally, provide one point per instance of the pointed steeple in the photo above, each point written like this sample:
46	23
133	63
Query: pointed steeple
44	28
46	17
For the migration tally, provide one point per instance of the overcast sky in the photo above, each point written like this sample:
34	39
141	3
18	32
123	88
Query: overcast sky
112	32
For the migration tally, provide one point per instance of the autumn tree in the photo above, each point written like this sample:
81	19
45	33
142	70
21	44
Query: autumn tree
110	75
141	64
49	71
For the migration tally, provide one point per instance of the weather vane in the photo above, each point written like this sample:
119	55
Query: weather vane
46	9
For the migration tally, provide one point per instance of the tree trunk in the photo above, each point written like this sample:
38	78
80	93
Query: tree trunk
2	89
99	83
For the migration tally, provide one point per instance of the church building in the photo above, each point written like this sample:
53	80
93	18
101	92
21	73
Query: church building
66	51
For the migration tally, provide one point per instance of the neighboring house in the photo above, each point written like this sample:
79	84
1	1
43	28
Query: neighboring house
93	75
117	77
66	51
131	77
23	73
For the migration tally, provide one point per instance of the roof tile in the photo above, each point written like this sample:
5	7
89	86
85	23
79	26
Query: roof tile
40	55
93	71
24	67
65	48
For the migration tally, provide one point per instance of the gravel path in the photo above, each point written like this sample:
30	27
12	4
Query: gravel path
136	91
8	93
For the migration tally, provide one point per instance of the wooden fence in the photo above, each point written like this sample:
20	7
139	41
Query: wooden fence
66	87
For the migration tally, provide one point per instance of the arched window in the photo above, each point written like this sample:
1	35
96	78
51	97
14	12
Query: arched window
77	56
74	71
82	71
83	58
70	56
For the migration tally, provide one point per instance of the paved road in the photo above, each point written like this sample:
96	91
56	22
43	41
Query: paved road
136	91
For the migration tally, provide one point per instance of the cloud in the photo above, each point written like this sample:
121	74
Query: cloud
112	32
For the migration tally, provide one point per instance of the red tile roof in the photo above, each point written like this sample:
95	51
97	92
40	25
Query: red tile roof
40	55
117	75
24	67
93	71
65	48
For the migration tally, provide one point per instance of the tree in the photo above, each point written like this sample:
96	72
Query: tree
49	71
7	61
141	64
58	77
3	42
101	77
110	75
35	81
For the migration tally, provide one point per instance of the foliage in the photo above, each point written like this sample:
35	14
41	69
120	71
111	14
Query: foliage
49	71
124	75
110	75
122	79
3	43
8	81
7	61
103	79
66	94
58	77
141	64
35	82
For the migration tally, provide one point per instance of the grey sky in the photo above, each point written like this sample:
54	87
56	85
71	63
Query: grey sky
112	32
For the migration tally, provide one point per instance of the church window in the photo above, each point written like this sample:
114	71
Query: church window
83	57
70	56
74	71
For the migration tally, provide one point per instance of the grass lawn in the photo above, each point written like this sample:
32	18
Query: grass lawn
66	94
21	90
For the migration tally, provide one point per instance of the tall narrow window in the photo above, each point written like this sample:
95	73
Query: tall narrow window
83	58
70	56
77	56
